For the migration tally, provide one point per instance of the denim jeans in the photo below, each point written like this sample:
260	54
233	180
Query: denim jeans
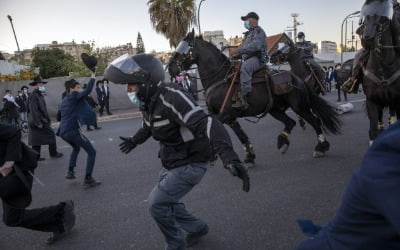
77	140
171	215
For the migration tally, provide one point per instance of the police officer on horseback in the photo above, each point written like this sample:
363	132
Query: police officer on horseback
187	138
253	51
352	84
306	54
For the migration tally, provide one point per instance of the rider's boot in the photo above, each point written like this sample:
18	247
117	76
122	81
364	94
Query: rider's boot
351	85
241	103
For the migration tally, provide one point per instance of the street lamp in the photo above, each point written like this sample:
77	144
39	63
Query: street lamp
341	33
198	16
12	26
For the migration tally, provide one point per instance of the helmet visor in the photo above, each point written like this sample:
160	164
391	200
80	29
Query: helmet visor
127	65
183	48
379	8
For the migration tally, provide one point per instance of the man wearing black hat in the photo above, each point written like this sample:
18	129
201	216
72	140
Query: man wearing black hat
17	163
253	51
40	131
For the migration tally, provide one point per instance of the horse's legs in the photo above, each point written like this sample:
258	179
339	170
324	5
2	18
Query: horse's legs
244	139
323	145
393	115
373	115
302	123
283	141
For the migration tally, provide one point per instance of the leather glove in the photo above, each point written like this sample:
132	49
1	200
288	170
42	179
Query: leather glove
127	144
237	169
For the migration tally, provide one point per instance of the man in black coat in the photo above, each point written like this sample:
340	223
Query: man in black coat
106	91
17	163
40	131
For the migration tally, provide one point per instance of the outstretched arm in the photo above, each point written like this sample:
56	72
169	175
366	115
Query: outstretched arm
89	87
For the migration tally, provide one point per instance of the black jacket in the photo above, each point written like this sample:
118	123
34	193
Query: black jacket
21	101
38	116
13	191
185	132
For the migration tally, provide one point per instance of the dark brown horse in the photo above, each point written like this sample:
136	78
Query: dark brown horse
381	80
216	71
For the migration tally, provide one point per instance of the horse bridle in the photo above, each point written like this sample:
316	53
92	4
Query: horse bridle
189	56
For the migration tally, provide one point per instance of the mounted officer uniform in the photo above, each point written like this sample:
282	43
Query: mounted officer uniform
352	84
253	51
186	135
306	54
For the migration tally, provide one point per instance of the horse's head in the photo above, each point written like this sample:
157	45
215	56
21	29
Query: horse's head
374	21
184	56
283	53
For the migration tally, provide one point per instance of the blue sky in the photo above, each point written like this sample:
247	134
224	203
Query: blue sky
114	22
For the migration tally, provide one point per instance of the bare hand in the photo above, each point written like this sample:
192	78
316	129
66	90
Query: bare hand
7	168
93	75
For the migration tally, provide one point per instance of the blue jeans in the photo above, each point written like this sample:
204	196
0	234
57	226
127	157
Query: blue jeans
77	140
170	214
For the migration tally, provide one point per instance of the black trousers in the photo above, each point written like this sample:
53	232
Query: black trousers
107	104
52	149
46	219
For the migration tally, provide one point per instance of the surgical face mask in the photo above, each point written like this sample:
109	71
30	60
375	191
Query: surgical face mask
246	24
25	91
42	88
20	94
301	40
134	99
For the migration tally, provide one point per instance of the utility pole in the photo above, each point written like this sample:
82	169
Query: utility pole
294	27
12	26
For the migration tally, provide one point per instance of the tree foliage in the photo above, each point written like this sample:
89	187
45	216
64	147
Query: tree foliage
140	44
102	60
52	62
172	18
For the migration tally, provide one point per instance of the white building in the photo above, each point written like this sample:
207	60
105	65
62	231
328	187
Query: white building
217	38
327	47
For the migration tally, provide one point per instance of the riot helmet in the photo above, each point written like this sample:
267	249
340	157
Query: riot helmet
382	8
301	35
142	69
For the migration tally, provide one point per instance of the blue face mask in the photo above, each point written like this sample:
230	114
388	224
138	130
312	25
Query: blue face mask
246	24
42	88
134	99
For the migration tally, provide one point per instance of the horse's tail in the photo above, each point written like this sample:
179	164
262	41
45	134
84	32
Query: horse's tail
327	115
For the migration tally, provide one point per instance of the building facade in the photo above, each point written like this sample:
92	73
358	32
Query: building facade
327	47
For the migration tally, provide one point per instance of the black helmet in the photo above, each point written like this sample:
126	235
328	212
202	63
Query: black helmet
300	35
142	69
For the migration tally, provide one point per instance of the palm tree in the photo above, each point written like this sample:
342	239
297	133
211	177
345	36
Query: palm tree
172	18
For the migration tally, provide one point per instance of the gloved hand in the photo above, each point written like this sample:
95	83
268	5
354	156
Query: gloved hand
127	144
237	169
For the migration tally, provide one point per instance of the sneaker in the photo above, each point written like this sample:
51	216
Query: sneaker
70	175
68	223
58	155
194	238
90	182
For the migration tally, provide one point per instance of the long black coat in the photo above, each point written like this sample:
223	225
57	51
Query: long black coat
38	116
11	149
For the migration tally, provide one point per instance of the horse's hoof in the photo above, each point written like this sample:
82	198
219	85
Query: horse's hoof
318	154
284	148
248	165
283	143
321	149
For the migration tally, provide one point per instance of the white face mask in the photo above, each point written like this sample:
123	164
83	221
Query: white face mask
42	88
134	99
301	40
25	91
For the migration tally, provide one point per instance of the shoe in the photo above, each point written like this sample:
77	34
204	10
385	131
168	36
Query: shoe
241	103
90	182
41	159
58	155
68	223
89	129
109	113
97	128
194	238
70	175
338	100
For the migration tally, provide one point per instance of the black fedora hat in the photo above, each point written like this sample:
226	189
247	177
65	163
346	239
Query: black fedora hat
250	15
24	87
37	80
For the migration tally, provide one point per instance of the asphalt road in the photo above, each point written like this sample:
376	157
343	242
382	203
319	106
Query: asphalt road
284	188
